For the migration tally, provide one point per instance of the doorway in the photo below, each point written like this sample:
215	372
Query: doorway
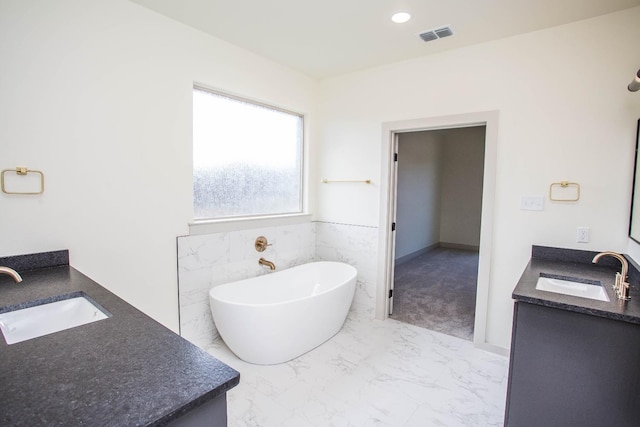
438	220
388	206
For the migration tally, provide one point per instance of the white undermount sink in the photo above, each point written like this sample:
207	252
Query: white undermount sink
574	287
32	322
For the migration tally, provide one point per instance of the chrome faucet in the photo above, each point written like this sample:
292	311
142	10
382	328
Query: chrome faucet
11	272
621	286
266	263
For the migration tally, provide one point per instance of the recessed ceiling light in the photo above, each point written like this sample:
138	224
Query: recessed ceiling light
400	17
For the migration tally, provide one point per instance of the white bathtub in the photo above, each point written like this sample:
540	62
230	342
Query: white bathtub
277	317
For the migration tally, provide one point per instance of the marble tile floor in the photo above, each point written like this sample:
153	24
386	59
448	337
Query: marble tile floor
372	373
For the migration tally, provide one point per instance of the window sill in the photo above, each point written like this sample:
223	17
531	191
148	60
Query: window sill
235	224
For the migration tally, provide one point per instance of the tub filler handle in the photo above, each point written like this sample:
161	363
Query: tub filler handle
261	244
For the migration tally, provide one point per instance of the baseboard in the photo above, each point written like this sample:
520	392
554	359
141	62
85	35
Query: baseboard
422	251
415	254
501	351
475	248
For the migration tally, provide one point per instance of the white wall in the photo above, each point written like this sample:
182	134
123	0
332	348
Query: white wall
419	186
462	173
565	114
439	188
97	95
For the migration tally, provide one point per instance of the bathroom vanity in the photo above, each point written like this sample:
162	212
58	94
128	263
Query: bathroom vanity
574	361
123	370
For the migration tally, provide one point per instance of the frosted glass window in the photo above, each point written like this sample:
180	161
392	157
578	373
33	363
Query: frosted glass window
247	158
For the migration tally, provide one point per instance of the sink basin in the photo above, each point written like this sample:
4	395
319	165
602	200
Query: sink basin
571	286
38	320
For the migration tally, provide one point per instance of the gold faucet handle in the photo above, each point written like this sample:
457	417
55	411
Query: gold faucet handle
623	291
261	244
619	281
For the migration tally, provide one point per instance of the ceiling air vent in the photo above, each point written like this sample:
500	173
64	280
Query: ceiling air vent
437	33
444	32
428	36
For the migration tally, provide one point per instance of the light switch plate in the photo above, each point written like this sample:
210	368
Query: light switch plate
532	203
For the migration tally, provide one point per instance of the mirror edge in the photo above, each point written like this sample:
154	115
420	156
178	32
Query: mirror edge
634	191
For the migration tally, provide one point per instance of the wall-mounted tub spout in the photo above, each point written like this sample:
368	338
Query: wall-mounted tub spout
11	272
269	264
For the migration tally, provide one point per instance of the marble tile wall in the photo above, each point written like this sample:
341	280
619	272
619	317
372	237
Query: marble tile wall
205	261
357	246
208	260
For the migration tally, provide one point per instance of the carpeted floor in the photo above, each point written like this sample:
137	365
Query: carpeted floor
437	291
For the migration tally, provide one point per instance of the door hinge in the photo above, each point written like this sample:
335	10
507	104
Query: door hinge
395	157
393	226
390	293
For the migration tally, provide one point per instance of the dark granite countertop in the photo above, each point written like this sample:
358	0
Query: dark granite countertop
126	370
577	264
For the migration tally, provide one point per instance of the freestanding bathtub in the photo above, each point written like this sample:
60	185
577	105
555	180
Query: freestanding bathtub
277	317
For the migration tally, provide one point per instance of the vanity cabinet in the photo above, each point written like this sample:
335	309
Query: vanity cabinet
125	370
572	369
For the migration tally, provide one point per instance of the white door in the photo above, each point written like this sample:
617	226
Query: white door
394	204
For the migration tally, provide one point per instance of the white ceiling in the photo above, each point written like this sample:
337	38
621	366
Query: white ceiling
331	37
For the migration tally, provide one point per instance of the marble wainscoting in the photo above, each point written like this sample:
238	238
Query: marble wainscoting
357	246
208	260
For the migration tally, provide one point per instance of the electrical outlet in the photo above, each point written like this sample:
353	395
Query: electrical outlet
583	234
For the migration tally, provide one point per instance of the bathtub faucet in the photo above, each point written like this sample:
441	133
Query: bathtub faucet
11	272
269	264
